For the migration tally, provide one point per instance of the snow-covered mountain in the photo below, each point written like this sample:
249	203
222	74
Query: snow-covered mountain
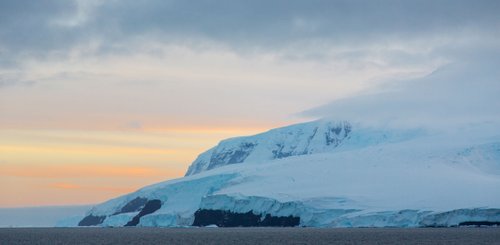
295	140
327	174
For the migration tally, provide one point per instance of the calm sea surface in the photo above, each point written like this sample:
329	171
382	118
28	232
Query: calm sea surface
249	236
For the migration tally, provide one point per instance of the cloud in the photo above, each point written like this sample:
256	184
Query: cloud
274	22
42	27
11	83
463	92
25	29
15	80
298	29
134	125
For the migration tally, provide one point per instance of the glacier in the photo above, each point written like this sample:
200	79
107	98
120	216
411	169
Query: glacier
328	174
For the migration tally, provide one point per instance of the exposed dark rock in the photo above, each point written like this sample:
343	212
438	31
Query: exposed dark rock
334	136
92	220
283	221
279	153
133	206
443	219
228	156
309	139
150	207
223	218
479	223
347	129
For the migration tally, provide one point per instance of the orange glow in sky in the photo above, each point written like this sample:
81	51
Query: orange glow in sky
64	167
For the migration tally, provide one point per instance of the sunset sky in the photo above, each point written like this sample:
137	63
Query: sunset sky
99	98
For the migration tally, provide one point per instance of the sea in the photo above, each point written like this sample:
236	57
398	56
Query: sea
138	235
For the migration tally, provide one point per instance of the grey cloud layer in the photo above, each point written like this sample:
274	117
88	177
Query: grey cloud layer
28	26
25	27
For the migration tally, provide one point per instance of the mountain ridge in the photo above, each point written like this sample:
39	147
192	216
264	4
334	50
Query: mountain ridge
294	140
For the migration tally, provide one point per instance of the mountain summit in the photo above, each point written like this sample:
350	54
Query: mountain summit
295	140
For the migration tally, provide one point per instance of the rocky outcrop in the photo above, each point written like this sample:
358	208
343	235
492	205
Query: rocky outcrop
149	208
91	220
223	218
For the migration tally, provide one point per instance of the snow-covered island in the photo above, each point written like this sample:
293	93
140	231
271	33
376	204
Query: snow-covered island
326	173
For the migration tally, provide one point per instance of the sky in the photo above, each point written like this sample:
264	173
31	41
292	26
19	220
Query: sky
99	98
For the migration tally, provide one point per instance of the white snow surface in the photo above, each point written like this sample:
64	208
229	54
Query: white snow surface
300	139
372	177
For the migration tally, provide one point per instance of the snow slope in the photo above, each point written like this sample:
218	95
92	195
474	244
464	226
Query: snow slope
295	140
368	177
